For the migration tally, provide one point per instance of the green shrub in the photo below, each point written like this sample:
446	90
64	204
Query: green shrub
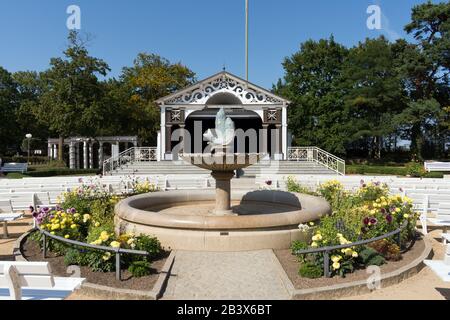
15	175
61	172
148	244
293	186
140	268
310	270
415	169
73	257
370	257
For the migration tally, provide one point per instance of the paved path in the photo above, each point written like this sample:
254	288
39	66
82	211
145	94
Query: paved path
15	230
225	275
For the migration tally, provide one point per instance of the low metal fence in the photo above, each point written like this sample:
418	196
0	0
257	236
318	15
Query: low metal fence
328	250
117	251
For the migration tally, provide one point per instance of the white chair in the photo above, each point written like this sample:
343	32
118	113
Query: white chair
441	268
34	281
443	216
7	215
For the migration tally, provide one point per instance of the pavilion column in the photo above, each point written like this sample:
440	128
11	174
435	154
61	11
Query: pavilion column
100	155
168	139
264	140
55	151
72	156
77	155
279	139
91	155
284	122
49	150
183	137
85	155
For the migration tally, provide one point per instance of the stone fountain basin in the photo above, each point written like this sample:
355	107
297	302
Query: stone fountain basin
223	161
193	231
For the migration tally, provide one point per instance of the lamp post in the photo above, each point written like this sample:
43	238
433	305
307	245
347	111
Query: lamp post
28	136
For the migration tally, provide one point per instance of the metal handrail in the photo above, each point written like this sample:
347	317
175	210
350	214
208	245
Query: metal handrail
327	250
128	156
117	251
315	154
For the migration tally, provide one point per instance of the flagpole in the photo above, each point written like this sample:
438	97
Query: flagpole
246	38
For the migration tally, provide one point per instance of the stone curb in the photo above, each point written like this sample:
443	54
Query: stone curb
360	287
108	293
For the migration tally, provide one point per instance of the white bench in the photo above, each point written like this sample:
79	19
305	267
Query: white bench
7	215
34	281
443	216
14	167
441	268
437	166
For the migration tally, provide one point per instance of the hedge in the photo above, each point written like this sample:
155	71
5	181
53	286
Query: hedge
385	170
51	173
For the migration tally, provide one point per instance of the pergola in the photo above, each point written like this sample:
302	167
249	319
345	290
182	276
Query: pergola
83	151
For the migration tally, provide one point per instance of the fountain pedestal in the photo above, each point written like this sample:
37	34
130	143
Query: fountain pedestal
223	192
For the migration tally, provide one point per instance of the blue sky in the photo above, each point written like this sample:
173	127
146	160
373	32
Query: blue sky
203	34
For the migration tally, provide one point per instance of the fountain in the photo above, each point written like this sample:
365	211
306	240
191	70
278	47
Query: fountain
224	219
222	163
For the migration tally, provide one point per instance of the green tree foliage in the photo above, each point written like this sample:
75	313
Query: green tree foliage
8	106
311	82
150	78
363	100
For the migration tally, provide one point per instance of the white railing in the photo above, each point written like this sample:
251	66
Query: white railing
132	155
314	154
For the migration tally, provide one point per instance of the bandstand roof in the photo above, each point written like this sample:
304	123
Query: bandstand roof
223	83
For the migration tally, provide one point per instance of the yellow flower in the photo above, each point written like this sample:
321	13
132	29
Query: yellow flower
67	236
86	217
314	245
336	258
130	241
398	210
406	216
97	224
104	236
55	226
106	256
348	252
355	254
336	265
317	237
115	244
73	226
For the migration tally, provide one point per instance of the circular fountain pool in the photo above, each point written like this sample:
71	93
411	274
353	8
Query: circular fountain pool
185	220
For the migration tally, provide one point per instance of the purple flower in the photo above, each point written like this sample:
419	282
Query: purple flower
366	221
373	221
80	180
73	210
46	209
361	182
377	183
383	210
389	218
269	182
364	185
400	189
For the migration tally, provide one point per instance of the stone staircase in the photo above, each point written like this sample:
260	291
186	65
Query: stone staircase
266	168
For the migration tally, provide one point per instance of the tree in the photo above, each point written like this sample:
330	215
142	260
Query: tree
373	93
29	88
9	133
70	103
311	82
425	66
151	78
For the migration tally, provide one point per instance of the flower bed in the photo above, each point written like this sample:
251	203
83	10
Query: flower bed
368	213
86	214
